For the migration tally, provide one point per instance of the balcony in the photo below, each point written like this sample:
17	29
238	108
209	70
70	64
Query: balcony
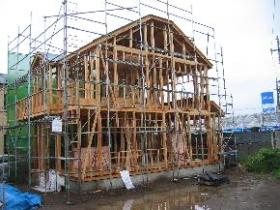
92	95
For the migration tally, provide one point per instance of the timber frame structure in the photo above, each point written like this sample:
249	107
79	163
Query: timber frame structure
136	98
122	113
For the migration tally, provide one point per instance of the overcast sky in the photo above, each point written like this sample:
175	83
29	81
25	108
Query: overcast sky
243	28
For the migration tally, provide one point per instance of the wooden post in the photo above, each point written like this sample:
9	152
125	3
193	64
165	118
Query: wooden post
161	83
92	75
147	70
134	140
152	35
86	73
58	152
189	136
165	39
97	65
99	143
116	82
207	89
50	101
130	38
145	38
163	127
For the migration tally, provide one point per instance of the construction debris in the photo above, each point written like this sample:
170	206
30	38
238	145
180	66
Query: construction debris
50	183
212	179
127	180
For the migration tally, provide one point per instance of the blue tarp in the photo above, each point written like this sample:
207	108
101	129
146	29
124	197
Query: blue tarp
15	199
233	130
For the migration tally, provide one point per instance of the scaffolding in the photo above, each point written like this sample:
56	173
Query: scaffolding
130	89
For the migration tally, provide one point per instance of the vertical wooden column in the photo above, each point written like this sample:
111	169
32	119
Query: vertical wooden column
50	95
42	146
130	38
161	83
173	74
208	104
47	133
165	39
59	82
127	135
99	143
154	96
189	136
185	134
58	152
145	37
116	79
186	95
89	134
79	138
195	88
152	36
147	71
209	137
134	138
122	146
38	148
184	50
215	144
92	75
201	85
97	65
163	126
167	83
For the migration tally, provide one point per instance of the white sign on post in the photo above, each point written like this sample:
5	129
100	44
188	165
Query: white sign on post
57	125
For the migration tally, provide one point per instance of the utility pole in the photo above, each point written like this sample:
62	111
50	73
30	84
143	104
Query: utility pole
277	50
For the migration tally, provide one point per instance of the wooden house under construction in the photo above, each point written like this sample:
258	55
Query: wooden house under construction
134	99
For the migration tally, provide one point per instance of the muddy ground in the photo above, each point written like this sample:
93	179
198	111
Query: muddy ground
245	191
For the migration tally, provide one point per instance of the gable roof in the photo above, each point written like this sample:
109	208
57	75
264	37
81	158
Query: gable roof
50	57
135	23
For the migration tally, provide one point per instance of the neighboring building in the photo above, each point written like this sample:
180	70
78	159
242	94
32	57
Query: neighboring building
262	121
3	114
139	121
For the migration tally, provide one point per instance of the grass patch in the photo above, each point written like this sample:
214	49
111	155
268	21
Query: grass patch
264	161
277	173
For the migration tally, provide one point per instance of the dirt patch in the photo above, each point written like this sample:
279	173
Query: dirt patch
245	191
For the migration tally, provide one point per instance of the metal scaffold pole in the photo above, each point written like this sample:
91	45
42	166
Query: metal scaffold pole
143	118
108	88
65	107
29	106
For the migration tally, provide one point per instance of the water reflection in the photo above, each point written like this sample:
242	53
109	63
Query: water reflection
184	197
203	207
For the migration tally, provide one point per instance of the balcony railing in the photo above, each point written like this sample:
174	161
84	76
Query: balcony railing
51	101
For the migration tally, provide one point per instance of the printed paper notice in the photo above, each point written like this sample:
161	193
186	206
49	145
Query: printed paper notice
57	125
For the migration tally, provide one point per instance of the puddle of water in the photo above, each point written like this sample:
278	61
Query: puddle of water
186	197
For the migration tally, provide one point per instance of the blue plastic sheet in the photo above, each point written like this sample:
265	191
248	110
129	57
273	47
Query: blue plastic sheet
15	199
